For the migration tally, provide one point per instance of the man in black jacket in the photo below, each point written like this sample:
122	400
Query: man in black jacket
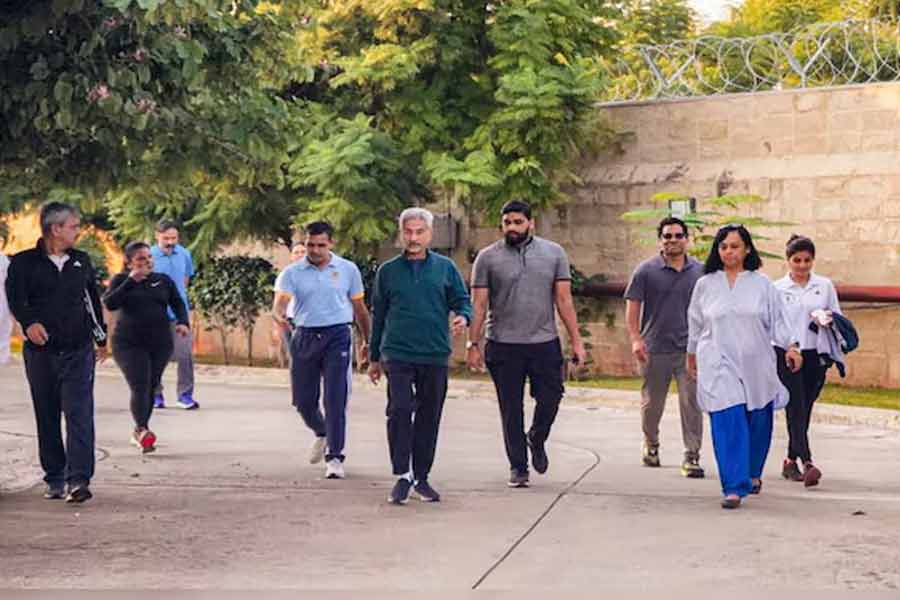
52	293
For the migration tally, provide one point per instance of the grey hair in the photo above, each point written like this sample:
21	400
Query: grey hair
416	213
55	213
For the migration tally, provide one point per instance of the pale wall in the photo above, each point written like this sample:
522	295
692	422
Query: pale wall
827	160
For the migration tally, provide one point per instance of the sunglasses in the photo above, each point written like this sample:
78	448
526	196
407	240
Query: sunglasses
676	236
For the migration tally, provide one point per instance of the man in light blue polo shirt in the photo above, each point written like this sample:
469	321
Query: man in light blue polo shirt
174	260
328	294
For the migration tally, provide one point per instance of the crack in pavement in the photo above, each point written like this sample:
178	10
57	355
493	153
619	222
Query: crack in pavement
566	491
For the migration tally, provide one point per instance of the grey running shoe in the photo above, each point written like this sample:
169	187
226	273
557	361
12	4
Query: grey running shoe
400	493
54	492
426	493
78	494
518	479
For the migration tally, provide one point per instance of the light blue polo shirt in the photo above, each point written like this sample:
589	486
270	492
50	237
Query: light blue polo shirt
322	297
177	266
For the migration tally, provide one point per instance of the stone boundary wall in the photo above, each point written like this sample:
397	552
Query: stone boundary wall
827	160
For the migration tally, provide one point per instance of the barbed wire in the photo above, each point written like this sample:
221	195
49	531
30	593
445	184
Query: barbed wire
824	54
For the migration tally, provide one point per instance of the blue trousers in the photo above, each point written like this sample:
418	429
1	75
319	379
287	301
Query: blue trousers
322	355
741	439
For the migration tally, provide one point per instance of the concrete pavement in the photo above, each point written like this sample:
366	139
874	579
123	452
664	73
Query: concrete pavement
229	502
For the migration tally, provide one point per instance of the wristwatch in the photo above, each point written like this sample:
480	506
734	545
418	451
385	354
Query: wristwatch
470	344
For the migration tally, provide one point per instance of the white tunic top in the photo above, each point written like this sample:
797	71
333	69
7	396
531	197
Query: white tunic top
731	330
800	302
5	316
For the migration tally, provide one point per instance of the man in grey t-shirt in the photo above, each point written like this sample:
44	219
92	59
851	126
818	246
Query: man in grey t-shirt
656	313
518	285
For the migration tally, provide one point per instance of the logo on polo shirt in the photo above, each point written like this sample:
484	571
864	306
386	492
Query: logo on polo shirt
335	275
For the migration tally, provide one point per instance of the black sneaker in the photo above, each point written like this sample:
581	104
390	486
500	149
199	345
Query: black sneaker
426	493
518	479
79	494
400	493
54	492
539	459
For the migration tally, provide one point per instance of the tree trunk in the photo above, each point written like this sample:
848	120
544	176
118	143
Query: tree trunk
223	333
248	331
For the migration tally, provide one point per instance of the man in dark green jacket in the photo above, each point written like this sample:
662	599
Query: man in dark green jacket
413	297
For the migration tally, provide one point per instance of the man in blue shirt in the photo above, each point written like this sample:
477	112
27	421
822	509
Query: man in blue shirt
174	260
328	294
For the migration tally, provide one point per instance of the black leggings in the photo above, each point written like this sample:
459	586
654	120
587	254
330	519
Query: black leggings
804	387
143	367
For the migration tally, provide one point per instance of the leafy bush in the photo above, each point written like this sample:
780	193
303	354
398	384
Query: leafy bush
230	292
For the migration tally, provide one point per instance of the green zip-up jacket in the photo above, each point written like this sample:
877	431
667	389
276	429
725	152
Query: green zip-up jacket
412	307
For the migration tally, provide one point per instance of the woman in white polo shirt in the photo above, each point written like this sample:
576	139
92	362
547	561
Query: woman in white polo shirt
808	298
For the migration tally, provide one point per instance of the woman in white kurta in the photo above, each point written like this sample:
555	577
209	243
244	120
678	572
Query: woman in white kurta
809	298
5	316
734	315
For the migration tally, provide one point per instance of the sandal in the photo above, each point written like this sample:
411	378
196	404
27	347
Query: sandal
731	502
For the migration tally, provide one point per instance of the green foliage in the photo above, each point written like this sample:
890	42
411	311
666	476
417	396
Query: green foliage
230	292
722	210
755	17
242	118
139	104
657	21
89	242
484	101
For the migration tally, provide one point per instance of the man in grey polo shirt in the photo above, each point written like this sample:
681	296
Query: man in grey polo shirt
656	313
518	285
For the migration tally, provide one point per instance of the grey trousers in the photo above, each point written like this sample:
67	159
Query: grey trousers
658	372
183	355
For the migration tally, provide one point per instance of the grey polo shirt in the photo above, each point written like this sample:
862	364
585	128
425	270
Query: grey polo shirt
665	294
520	282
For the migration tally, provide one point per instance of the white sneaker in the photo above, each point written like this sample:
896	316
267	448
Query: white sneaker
334	469
317	452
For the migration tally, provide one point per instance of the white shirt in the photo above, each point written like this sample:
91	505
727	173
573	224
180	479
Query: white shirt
5	316
800	302
59	260
731	331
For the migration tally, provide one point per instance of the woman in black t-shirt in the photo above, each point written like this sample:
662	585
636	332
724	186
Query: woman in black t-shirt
142	340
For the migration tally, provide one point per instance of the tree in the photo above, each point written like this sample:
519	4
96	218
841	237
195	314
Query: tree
756	17
657	21
241	118
112	100
230	292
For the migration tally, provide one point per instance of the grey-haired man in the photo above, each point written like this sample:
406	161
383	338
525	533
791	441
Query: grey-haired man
52	293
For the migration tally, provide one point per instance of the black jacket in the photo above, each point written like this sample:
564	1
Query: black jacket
144	320
38	292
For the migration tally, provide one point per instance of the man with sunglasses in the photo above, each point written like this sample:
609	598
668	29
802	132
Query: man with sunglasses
657	300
